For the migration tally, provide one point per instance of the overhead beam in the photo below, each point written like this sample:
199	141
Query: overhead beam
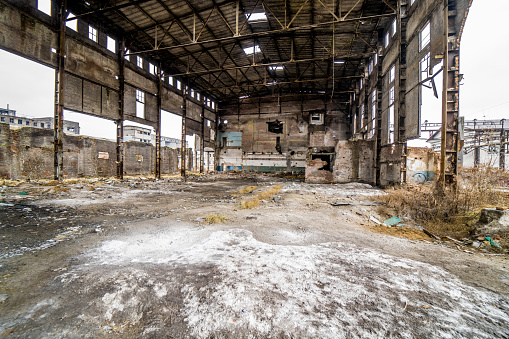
266	33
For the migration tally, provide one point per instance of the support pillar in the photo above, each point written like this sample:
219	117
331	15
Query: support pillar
202	139
501	157
157	170
58	122
120	121
450	100
402	21
184	130
379	92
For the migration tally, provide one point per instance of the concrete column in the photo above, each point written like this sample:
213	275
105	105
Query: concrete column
58	122
157	170
184	129
120	121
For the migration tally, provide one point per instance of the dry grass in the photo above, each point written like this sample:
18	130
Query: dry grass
265	195
215	219
454	211
247	189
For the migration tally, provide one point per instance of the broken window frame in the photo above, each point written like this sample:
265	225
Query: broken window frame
140	104
44	6
72	24
139	61
425	36
391	117
392	74
109	42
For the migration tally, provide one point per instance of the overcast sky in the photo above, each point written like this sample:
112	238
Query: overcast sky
29	87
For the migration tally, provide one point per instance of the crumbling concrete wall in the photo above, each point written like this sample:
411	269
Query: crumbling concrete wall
28	153
355	161
422	164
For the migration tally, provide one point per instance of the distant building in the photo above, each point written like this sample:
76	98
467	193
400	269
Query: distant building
484	142
9	116
142	134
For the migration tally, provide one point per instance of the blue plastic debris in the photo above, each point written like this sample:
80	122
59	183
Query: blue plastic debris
493	242
392	221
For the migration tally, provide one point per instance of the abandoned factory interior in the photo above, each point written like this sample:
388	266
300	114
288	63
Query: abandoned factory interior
254	169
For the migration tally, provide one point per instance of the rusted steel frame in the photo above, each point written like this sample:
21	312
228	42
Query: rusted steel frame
184	131
501	156
450	104
296	14
120	121
58	120
265	6
155	21
328	10
288	82
402	24
202	139
367	43
259	34
266	64
107	9
157	170
350	11
247	18
210	31
165	33
389	5
205	24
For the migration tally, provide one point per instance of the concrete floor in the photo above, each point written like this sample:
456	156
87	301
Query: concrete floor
93	259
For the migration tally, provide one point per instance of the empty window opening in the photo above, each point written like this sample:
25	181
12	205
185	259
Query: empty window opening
140	104
394	27
44	6
387	39
328	158
111	44
127	56
73	24
373	96
256	17
391	118
252	50
20	122
392	74
425	67
370	66
197	95
139	61
152	68
179	86
425	36
275	126
373	121
170	81
92	33
361	83
375	59
362	116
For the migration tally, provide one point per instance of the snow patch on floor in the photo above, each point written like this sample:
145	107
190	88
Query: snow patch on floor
327	290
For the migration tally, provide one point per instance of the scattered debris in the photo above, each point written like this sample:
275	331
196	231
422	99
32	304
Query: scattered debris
375	220
393	221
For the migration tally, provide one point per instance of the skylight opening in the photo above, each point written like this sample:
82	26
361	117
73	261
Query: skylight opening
272	83
256	17
252	50
276	68
339	62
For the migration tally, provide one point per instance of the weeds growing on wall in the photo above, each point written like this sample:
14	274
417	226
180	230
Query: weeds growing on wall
454	210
